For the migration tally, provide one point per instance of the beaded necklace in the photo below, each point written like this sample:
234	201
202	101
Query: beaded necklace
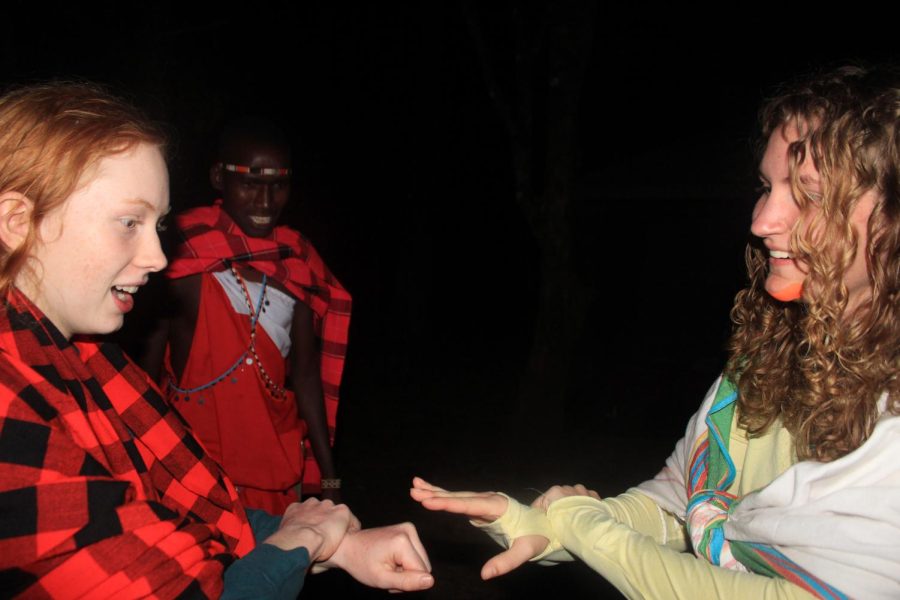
277	391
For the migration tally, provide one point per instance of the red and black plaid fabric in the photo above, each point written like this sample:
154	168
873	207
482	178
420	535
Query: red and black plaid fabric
211	240
103	492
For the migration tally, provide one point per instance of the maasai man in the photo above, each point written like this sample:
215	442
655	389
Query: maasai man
257	342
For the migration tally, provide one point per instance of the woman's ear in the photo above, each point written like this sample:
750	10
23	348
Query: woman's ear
15	218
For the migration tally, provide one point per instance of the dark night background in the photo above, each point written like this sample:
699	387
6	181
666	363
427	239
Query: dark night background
406	184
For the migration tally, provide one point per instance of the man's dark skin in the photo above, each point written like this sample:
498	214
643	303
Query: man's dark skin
254	202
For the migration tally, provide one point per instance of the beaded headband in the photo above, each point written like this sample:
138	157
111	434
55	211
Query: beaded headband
255	170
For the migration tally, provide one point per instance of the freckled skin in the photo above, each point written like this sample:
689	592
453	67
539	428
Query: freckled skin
103	235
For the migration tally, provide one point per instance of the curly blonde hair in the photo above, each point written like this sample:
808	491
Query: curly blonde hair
51	136
821	365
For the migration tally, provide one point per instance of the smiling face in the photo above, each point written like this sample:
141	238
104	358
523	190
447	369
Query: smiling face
254	200
777	213
100	245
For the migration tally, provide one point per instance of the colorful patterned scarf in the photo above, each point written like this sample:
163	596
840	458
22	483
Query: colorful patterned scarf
709	505
103	492
211	240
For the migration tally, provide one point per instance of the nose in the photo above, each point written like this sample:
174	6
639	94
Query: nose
775	213
263	197
151	256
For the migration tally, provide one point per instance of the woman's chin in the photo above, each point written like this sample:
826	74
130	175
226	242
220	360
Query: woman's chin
785	291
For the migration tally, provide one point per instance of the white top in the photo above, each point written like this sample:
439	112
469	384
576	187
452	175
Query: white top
275	320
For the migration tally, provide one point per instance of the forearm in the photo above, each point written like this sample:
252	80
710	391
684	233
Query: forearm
642	568
306	376
640	513
267	572
311	407
632	509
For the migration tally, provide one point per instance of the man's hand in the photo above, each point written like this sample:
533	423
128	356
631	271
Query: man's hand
390	558
317	526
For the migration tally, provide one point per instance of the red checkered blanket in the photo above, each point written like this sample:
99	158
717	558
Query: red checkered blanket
102	490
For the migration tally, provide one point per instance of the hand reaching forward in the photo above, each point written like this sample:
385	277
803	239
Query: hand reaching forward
318	526
390	558
484	508
481	507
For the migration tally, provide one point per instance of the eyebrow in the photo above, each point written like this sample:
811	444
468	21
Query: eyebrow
144	203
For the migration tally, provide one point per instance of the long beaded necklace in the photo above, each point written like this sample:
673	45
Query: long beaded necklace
277	391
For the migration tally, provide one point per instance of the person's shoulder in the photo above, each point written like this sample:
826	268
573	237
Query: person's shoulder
286	232
198	215
21	396
289	236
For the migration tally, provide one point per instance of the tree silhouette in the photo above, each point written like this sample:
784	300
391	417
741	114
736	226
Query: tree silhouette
533	58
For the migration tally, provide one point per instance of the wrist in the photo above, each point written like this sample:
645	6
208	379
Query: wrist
331	483
338	557
305	537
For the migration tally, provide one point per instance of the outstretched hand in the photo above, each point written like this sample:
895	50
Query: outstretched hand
483	508
390	558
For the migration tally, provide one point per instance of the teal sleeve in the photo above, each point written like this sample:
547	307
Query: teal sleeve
267	572
262	523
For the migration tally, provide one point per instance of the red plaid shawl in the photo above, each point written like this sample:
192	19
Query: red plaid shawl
210	239
103	492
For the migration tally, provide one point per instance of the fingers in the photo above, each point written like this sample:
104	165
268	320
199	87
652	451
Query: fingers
421	484
581	490
410	568
389	557
483	508
417	547
333	494
544	501
406	581
422	489
328	522
354	524
521	551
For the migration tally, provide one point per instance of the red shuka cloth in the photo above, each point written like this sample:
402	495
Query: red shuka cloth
255	435
211	240
103	492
